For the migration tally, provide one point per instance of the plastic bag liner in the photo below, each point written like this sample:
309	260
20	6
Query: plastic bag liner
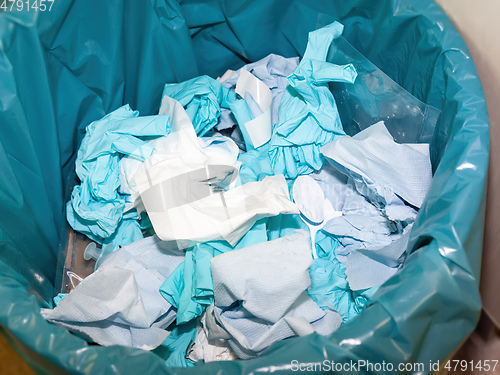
61	69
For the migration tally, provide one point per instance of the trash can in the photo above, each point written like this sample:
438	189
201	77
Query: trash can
75	61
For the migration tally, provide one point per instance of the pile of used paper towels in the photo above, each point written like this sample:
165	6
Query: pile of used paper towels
269	221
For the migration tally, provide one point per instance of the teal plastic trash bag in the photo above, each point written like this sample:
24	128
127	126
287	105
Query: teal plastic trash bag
64	68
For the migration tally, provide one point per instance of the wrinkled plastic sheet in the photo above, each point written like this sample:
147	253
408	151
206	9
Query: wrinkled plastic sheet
61	70
375	97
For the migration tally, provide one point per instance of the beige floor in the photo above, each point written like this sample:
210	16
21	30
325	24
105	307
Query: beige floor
10	362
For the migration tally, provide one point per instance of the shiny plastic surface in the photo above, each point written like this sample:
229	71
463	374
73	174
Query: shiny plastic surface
62	69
